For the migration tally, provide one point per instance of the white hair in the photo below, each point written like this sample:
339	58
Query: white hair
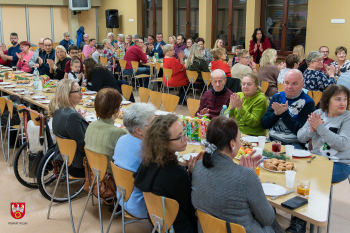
220	71
136	36
85	35
122	36
110	34
312	56
66	34
137	116
167	48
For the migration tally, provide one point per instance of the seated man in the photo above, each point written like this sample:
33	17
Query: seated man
180	45
96	55
244	65
73	52
288	110
33	61
11	52
157	47
48	53
213	100
292	62
326	60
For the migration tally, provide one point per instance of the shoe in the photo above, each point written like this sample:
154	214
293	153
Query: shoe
297	225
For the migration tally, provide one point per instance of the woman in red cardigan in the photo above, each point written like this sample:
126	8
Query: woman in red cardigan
258	45
219	56
178	79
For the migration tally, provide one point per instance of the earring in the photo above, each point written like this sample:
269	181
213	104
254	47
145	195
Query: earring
233	149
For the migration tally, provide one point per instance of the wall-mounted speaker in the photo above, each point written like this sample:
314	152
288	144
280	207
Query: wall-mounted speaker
112	18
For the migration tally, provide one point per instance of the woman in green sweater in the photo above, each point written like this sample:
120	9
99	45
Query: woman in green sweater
249	106
101	136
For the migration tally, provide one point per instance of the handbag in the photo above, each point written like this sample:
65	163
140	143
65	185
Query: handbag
107	186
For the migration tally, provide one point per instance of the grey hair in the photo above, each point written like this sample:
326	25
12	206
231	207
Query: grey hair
66	34
167	48
218	70
110	34
323	47
136	36
312	56
85	35
137	116
105	41
122	36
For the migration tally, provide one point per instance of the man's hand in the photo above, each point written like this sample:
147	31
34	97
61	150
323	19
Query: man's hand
51	63
40	61
203	112
36	65
279	108
144	48
150	47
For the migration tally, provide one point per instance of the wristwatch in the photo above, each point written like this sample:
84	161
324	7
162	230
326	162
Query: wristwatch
24	60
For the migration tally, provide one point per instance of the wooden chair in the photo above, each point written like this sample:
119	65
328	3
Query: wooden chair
125	184
170	102
135	66
33	48
167	74
316	96
122	64
193	106
211	224
156	78
192	77
257	67
162	211
156	98
280	87
264	85
67	148
54	45
98	164
82	56
126	91
103	61
206	79
144	94
309	93
2	109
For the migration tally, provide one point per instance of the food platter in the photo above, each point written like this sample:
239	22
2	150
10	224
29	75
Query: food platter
279	165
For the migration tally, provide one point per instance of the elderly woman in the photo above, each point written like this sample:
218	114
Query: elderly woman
68	122
206	54
172	40
24	57
219	43
195	62
178	79
299	51
237	200
84	42
268	71
249	106
66	41
129	42
189	43
109	52
220	56
110	36
101	135
129	157
159	172
342	65
314	78
258	44
61	59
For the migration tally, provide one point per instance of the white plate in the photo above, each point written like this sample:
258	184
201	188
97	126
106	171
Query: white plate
301	153
125	102
18	72
1	65
250	139
10	86
5	83
187	156
38	97
88	106
262	165
90	92
30	93
18	89
90	118
9	69
45	101
159	113
29	75
273	189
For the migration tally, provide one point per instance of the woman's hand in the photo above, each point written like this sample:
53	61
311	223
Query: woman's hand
315	121
261	48
232	101
19	56
281	66
255	47
194	160
331	71
82	113
229	63
237	101
250	161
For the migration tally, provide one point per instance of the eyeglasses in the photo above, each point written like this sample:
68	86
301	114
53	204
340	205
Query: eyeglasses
50	45
248	58
324	51
78	91
182	138
73	52
321	60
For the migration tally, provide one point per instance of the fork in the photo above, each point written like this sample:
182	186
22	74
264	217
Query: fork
309	161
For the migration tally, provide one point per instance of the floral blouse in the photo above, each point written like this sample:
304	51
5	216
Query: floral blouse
344	68
207	55
109	55
316	80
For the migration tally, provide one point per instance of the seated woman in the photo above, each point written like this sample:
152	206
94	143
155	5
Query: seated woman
129	157
24	57
249	106
292	62
229	191
219	43
108	52
102	135
195	62
314	78
98	77
68	122
159	172
219	56
178	79
342	65
189	43
128	42
268	71
299	51
66	41
61	59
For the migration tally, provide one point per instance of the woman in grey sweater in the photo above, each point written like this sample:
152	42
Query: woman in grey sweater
329	129
229	191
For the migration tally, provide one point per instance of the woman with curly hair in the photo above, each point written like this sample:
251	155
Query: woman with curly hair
159	172
258	44
268	71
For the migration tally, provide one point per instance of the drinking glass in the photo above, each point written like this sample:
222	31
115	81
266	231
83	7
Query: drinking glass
276	147
14	68
303	189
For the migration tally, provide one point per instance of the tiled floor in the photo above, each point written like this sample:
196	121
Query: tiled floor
35	219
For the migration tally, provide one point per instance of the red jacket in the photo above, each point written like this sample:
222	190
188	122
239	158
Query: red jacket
134	53
178	78
265	45
326	61
5	63
222	66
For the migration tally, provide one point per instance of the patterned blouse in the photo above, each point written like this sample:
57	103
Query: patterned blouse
207	55
343	69
109	55
316	80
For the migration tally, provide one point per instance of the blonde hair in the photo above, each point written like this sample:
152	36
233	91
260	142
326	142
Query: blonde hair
61	98
217	52
216	43
63	49
255	79
174	39
167	48
194	52
268	57
105	41
129	36
242	53
299	51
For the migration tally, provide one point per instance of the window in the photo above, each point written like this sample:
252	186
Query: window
152	20
186	14
284	23
229	22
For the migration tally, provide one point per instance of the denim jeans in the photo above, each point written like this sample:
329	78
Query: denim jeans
140	70
341	171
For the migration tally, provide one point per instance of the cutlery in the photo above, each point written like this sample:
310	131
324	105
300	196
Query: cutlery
309	161
273	198
193	151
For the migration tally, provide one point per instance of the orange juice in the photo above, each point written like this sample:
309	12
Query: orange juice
303	190
83	89
257	170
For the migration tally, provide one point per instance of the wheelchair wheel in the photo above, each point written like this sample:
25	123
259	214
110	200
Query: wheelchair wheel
48	167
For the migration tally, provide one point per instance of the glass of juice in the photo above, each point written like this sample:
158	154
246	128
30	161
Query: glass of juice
1	79
276	147
83	89
303	189
257	170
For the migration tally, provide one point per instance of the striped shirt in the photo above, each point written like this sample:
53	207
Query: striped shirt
178	49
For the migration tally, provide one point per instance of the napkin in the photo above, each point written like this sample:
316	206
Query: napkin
294	203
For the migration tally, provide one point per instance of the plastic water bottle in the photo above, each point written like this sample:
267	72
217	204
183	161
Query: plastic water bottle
36	79
40	83
224	108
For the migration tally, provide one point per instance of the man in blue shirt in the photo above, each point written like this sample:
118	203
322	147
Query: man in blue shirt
48	53
158	46
66	41
11	53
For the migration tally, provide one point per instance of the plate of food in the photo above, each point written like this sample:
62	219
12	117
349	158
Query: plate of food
18	72
45	101
188	156
10	86
5	83
160	113
49	90
301	153
90	92
22	81
29	75
273	189
250	139
38	97
126	102
89	104
277	165
18	89
23	93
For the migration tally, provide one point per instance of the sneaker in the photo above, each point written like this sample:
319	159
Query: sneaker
297	225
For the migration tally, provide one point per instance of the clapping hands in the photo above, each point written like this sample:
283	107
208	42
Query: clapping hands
203	112
20	56
281	66
236	101
279	108
194	160
250	161
314	121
